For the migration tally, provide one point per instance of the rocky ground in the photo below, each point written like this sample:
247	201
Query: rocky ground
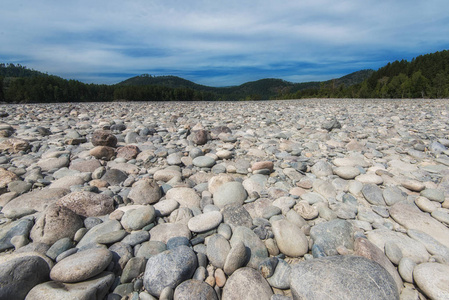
310	199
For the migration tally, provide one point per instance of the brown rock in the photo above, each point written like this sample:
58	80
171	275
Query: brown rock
102	152
56	223
88	204
85	165
145	192
6	177
98	183
14	145
104	138
262	165
199	137
128	152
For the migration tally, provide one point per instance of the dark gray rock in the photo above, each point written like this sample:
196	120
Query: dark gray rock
373	194
281	276
8	231
58	247
236	215
103	138
217	250
329	235
169	268
19	273
331	124
134	267
341	277
257	249
114	176
194	290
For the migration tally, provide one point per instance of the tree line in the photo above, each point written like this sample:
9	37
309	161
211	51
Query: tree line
426	76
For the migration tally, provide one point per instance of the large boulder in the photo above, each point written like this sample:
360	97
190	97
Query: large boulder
88	204
342	277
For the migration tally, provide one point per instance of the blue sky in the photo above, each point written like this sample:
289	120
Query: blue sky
218	43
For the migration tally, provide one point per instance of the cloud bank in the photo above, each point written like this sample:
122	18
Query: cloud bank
217	43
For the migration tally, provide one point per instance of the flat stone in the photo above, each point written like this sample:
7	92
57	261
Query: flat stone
53	163
373	194
441	215
290	238
184	196
343	277
95	288
256	183
37	200
134	267
426	205
433	195
98	230
432	279
164	232
229	193
433	246
114	176
413	185
81	265
236	258
281	276
88	204
411	217
347	172
409	247
203	161
324	188
66	182
165	207
246	283
405	268
369	179
204	222
322	169
392	195
169	268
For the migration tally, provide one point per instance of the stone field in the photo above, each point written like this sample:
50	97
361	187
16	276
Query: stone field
305	199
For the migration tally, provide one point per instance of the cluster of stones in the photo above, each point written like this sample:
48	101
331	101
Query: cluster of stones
312	199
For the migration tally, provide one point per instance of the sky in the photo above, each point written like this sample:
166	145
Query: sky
218	43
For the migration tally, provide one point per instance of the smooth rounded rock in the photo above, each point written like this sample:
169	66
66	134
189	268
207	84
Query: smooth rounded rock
343	277
88	204
184	196
194	290
145	192
432	279
229	193
81	265
247	283
136	219
204	222
290	238
169	269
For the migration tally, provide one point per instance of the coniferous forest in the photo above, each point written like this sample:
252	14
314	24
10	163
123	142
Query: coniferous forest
426	76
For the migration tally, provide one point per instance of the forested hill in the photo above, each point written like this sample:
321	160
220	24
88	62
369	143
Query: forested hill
426	76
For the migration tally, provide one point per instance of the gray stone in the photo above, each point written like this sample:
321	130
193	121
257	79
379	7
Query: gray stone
136	237
409	216
10	230
229	193
256	183
322	169
204	222
164	232
100	229
373	194
290	238
194	290
81	265
432	279
405	268
58	247
365	248
392	195
281	276
246	283
145	192
184	196
37	200
434	195
169	268
258	251
111	237
332	234
393	252
151	248
341	277
135	219
236	215
20	272
347	172
203	161
134	267
94	288
217	250
433	246
114	176
236	258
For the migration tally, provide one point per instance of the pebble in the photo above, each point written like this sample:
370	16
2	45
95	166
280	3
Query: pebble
170	177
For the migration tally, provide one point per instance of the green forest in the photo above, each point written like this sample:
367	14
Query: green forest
426	76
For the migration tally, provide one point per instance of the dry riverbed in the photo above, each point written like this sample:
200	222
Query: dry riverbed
306	199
